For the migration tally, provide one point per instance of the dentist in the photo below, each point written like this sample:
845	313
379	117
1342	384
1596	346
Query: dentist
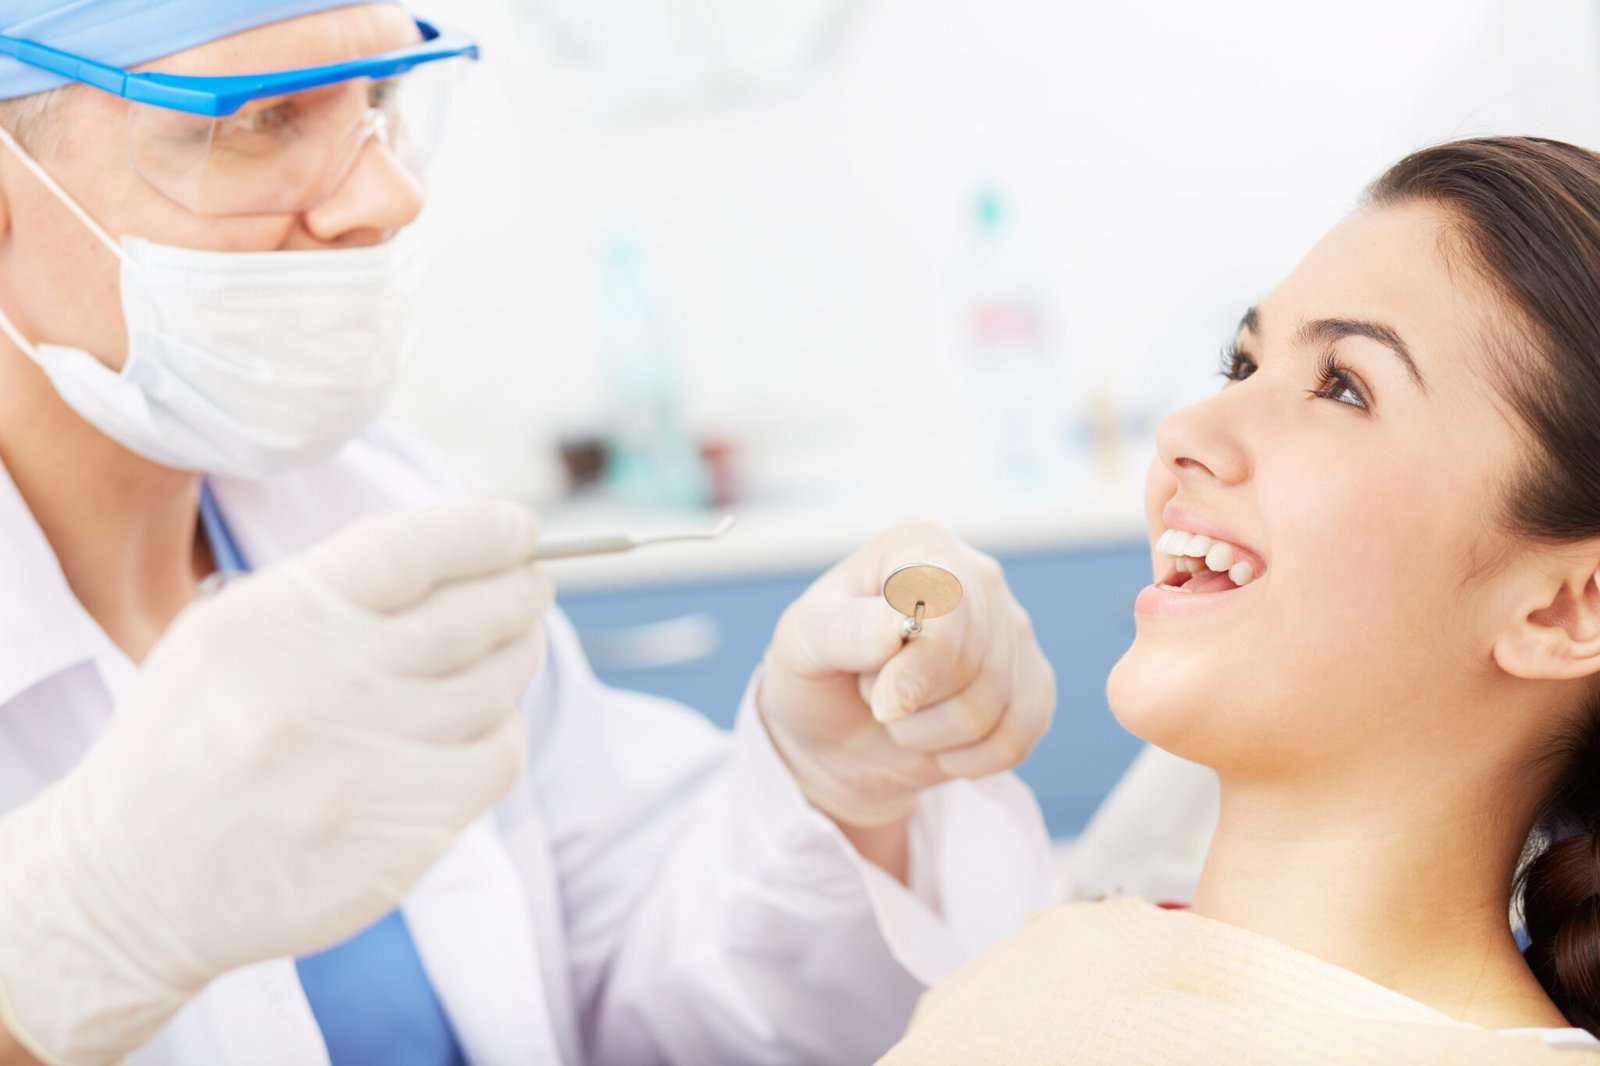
368	804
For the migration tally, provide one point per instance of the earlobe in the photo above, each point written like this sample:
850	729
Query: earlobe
1558	640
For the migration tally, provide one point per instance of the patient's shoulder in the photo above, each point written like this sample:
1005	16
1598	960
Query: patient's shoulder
1034	965
1124	981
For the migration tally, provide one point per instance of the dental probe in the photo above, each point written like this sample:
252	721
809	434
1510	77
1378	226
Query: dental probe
624	542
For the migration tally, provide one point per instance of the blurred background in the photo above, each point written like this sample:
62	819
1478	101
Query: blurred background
831	264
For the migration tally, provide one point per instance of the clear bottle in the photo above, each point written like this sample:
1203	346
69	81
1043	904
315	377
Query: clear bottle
654	462
1011	367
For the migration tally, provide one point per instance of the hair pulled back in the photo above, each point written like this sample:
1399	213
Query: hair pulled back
1525	215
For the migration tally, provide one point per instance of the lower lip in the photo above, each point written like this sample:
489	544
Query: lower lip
1157	602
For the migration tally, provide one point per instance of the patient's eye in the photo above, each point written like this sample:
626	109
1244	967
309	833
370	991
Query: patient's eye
1236	366
1337	382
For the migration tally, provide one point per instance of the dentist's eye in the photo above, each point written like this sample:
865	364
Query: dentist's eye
1336	382
255	134
271	120
1236	366
381	93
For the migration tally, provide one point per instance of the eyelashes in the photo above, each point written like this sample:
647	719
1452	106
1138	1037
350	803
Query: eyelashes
1335	381
1236	366
1338	383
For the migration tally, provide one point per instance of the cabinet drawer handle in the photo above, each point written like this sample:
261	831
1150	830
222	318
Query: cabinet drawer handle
681	641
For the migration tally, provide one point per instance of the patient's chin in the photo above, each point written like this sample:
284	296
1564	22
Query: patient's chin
1163	699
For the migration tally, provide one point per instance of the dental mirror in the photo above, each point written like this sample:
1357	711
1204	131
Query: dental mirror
921	591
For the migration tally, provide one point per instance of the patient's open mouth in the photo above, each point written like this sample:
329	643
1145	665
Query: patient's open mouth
1202	564
1209	581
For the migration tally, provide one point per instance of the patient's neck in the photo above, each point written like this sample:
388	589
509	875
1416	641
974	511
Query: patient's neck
1412	895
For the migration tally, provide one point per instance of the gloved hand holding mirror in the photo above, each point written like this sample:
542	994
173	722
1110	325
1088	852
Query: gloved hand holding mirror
868	708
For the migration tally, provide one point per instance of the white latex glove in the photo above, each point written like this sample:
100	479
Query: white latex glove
292	758
865	723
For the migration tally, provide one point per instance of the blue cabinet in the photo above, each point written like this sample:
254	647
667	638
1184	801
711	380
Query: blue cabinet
698	643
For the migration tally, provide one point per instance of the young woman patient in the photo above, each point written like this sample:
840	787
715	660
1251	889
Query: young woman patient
1376	615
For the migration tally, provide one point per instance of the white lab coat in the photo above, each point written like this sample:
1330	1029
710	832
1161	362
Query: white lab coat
653	891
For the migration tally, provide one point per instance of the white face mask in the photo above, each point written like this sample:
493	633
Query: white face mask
242	364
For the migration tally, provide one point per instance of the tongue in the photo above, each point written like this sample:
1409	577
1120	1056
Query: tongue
1209	581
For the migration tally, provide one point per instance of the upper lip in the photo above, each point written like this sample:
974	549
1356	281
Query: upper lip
1175	517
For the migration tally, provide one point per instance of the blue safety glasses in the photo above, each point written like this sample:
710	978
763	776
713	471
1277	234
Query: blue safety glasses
273	143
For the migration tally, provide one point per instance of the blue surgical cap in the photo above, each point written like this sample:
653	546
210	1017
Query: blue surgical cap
126	33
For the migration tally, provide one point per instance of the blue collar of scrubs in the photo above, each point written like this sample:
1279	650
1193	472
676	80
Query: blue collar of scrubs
225	551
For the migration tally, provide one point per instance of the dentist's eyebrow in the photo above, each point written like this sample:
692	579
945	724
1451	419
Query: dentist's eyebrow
1329	330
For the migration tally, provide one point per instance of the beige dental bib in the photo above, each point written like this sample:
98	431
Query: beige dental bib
1127	984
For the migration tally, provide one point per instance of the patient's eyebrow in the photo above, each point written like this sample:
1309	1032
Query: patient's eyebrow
1329	330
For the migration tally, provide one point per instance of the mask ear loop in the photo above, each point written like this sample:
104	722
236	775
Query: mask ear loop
61	194
32	165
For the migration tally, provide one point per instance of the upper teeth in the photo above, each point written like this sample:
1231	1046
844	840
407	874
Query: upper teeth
1191	551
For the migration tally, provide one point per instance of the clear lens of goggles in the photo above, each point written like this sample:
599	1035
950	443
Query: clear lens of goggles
288	154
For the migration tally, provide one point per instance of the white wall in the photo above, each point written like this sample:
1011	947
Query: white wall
1169	160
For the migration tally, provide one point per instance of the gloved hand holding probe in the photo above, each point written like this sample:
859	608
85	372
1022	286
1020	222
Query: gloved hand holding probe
293	756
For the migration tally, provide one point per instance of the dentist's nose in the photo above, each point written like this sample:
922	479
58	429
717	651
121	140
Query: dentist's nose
379	198
1201	442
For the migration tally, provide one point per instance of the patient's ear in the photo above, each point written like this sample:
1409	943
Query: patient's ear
1555	635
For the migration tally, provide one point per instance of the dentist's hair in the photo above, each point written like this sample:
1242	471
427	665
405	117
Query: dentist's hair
1526	215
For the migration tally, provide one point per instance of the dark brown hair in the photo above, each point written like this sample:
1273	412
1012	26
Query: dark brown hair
1525	216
